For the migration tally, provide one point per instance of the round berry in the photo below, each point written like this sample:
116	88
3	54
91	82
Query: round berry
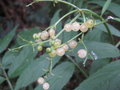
75	26
39	48
46	86
83	28
48	50
89	23
65	47
72	44
35	35
44	35
51	33
60	51
57	42
40	80
67	27
52	54
82	53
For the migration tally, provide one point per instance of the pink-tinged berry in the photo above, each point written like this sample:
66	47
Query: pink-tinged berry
89	23
60	51
65	47
51	33
72	44
39	48
44	35
67	27
83	28
41	80
46	86
75	26
52	54
82	53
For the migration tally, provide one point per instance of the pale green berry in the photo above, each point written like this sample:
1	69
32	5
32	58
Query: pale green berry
72	44
67	27
35	35
39	48
60	51
65	47
89	23
52	54
48	50
44	35
75	26
41	80
46	86
51	33
82	53
83	28
57	42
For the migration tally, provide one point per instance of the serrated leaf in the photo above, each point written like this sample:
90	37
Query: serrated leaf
34	71
105	7
6	40
107	78
21	61
62	74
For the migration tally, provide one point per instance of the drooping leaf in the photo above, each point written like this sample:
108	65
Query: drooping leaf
105	7
6	40
62	74
107	78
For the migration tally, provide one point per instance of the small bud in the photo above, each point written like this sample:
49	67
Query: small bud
51	33
82	53
89	23
83	28
72	44
46	86
39	48
65	47
75	26
67	27
52	54
60	51
40	80
44	35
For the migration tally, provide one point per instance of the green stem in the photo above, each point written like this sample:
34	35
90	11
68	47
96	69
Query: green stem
5	74
81	70
118	44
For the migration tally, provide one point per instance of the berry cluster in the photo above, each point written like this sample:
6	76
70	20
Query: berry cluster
76	26
42	81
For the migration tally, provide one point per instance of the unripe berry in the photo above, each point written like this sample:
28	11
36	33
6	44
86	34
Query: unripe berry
52	54
39	48
40	80
89	23
82	53
72	44
44	35
46	86
75	26
48	50
60	51
83	28
51	33
67	27
65	47
57	42
35	35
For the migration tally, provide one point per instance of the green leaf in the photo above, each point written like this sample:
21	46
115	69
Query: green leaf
34	71
105	7
107	78
21	61
62	74
102	50
114	7
6	40
116	19
27	35
1	79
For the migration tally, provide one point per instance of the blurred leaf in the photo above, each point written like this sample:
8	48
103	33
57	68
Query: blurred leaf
98	64
107	78
102	50
27	35
6	40
62	74
1	79
116	19
105	7
21	61
114	8
34	71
